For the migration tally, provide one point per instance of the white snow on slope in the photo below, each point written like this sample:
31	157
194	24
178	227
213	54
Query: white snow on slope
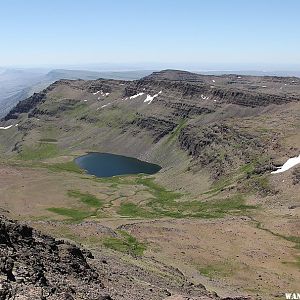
213	80
96	93
105	105
150	98
7	127
291	162
137	95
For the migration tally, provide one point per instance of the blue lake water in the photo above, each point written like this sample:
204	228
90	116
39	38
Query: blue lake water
108	165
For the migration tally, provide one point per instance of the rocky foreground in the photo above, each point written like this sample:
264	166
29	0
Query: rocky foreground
36	266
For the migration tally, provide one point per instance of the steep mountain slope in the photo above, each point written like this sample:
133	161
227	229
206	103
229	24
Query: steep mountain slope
215	211
17	85
218	121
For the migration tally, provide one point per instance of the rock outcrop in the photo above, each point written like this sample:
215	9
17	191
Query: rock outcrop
35	266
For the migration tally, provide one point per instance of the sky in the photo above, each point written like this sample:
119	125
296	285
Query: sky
203	34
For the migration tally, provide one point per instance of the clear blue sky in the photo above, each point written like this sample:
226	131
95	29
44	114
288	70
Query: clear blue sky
200	32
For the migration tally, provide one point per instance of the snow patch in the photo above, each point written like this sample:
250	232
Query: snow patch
96	93
7	127
291	162
136	95
85	100
213	80
106	94
105	105
264	86
204	97
150	98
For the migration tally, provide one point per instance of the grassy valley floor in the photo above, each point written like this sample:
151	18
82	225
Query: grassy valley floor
233	243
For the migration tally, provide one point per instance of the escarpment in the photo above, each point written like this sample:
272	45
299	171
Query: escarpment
204	114
221	147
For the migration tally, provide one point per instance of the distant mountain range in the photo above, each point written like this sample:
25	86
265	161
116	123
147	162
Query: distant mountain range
18	84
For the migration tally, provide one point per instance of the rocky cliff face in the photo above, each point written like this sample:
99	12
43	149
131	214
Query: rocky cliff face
221	147
249	91
188	93
204	114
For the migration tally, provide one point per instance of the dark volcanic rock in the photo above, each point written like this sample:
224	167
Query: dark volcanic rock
158	127
26	105
219	146
36	266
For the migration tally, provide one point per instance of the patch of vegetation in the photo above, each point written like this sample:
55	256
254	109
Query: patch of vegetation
72	214
290	238
165	204
116	180
294	239
66	166
295	263
48	140
115	117
161	195
86	198
41	151
219	185
133	210
224	269
77	111
259	184
234	205
247	168
125	243
177	130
